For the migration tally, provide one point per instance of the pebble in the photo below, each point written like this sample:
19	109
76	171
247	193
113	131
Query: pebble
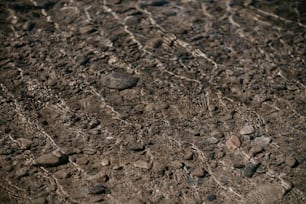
267	193
22	172
142	164
247	130
87	30
256	150
40	200
291	161
188	155
176	164
233	143
198	172
120	81
159	167
105	162
98	189
262	141
212	140
82	60
211	197
24	143
250	170
52	159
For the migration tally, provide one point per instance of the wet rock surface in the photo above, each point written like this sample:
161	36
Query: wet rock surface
152	101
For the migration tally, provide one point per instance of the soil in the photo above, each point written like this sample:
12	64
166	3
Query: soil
159	101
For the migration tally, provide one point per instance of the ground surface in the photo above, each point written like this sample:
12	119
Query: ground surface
152	101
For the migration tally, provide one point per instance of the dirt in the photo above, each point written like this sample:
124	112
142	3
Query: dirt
159	101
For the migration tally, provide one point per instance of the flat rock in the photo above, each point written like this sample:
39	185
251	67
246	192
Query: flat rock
291	161
24	143
247	130
142	164
262	141
98	189
267	193
120	81
233	143
52	159
198	172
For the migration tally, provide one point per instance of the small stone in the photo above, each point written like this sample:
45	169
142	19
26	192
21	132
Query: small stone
233	143
24	143
212	140
188	155
238	165
82	60
142	164
250	169
105	162
40	200
89	151
158	3
176	164
62	174
87	30
22	172
262	141
159	167
98	189
120	81
135	146
93	124
247	130
28	26
198	172
291	161
256	150
269	193
53	159
211	197
118	167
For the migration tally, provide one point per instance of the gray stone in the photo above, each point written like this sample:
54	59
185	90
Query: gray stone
250	169
247	130
24	143
105	162
120	81
52	159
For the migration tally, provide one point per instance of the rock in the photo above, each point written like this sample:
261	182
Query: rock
28	26
247	130
262	141
142	164
250	169
120	81
188	155
267	193
62	174
40	200
52	159
158	3
87	30
198	172
159	167
212	140
233	143
176	164
105	162
256	150
89	151
93	124
24	143
211	197
291	161
135	146
82	60
22	172
98	189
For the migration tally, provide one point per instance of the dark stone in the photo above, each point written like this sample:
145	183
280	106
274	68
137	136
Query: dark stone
250	169
158	3
98	189
82	60
211	197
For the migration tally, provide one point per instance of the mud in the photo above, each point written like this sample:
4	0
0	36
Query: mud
152	101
